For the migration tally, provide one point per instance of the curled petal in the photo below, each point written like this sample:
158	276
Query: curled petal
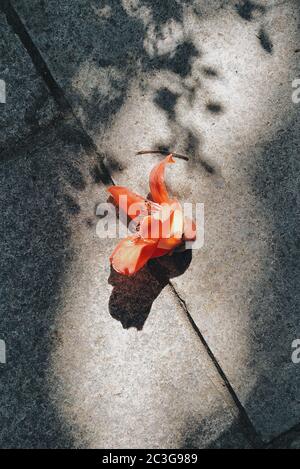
169	244
158	188
165	226
151	228
177	223
172	231
132	204
131	254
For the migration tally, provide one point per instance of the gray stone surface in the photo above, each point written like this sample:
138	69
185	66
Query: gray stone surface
242	288
29	105
291	440
214	81
92	48
93	359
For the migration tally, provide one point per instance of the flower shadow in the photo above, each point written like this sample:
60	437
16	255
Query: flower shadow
132	297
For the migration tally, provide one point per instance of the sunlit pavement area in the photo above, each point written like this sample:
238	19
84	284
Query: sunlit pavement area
194	351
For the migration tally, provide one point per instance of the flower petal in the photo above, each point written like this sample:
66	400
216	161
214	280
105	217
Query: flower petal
160	253
190	230
131	203
158	188
131	254
151	228
172	228
177	223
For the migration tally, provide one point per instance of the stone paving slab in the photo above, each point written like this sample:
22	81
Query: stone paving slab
214	82
242	286
28	105
291	440
251	319
93	359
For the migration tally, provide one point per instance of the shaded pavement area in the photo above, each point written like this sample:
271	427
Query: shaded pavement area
194	351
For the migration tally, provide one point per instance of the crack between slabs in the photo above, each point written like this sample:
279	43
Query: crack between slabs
54	88
39	63
252	434
65	108
295	428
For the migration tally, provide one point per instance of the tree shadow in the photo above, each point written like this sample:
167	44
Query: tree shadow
179	61
35	253
235	436
35	235
247	9
265	41
275	306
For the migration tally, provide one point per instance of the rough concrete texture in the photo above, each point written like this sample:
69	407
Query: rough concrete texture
28	105
241	130
93	359
291	440
213	81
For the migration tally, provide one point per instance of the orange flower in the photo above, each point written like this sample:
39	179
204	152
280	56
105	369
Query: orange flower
160	228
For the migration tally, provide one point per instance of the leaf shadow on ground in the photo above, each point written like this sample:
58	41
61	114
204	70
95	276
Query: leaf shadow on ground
33	265
276	184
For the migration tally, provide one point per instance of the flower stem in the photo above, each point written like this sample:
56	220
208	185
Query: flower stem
163	152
